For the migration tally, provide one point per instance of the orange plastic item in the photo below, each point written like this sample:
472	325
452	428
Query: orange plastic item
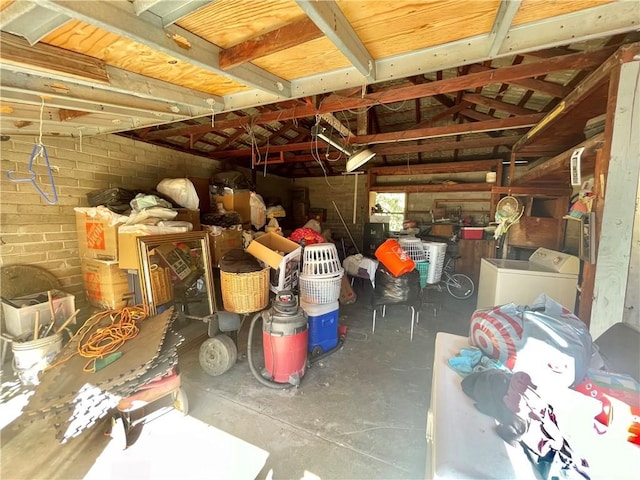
394	258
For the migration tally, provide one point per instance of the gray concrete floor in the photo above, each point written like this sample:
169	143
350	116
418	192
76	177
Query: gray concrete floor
359	413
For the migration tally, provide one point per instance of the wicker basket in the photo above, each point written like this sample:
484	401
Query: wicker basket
161	284
245	292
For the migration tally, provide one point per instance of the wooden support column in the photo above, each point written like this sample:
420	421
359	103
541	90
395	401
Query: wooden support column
618	211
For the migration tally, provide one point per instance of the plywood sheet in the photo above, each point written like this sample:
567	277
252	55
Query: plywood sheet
310	58
533	10
390	27
119	52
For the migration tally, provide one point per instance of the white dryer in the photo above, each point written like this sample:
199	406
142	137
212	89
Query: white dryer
521	281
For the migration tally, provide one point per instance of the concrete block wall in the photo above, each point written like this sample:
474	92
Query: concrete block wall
35	233
324	191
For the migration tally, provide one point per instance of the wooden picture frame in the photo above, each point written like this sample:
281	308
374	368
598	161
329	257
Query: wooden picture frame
174	269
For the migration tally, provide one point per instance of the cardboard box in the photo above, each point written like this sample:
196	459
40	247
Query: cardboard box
20	313
105	283
191	216
238	201
96	238
227	239
282	255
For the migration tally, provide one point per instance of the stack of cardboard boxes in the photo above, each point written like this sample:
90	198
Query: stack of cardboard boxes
107	255
105	283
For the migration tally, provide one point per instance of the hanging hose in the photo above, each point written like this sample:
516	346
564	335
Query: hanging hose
252	367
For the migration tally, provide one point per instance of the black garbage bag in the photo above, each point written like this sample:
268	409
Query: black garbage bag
225	220
115	199
239	261
390	289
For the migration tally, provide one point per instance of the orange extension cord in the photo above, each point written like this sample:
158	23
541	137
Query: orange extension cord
106	340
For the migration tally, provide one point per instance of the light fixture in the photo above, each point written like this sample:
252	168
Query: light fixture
318	131
359	158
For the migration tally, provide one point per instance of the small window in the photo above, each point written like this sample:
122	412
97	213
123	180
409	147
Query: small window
393	205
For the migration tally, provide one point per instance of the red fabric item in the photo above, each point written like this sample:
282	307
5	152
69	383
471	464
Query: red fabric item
307	234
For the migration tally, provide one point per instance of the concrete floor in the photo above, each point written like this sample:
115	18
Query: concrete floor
359	413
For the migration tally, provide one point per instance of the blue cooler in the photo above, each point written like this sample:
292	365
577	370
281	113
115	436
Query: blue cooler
323	326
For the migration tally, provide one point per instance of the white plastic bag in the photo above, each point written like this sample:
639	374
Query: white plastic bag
181	191
258	211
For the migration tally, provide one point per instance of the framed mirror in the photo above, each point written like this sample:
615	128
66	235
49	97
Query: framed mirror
175	269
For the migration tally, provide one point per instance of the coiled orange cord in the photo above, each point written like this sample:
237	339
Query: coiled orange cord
106	340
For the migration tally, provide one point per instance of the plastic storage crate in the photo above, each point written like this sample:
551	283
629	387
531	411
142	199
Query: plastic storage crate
435	253
423	269
413	246
321	259
319	290
20	313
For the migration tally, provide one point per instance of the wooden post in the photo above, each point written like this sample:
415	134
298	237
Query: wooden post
615	216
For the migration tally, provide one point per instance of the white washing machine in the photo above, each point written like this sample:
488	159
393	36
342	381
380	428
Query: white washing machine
521	281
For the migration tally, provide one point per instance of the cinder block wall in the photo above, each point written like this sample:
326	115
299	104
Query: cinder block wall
33	232
324	191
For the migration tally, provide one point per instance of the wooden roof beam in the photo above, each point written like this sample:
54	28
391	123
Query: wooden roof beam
272	42
541	86
450	130
436	146
335	103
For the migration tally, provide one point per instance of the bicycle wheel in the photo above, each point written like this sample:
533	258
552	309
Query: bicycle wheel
460	286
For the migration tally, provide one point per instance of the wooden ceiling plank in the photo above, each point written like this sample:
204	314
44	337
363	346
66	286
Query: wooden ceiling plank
449	130
45	58
286	37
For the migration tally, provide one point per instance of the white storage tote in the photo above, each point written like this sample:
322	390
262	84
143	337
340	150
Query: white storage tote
434	252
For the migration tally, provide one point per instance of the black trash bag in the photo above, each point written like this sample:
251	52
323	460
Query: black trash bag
225	220
115	199
391	289
239	261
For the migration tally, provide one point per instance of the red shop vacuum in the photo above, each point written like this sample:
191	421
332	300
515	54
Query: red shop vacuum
284	342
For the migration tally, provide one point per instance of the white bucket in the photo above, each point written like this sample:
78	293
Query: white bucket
32	357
